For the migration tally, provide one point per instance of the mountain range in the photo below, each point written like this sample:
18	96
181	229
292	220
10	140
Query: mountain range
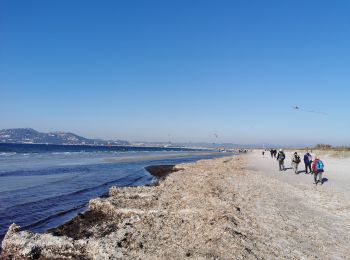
31	136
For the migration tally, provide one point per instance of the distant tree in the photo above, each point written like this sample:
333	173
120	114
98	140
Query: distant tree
342	148
323	147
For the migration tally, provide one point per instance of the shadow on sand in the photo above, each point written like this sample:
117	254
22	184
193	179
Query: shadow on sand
324	180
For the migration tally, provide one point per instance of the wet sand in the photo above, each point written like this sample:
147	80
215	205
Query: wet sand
228	208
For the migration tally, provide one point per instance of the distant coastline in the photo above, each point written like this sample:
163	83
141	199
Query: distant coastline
31	136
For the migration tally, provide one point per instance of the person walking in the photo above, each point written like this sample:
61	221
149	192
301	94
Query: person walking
308	162
280	158
295	162
318	169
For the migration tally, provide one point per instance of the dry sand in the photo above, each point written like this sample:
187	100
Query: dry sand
228	208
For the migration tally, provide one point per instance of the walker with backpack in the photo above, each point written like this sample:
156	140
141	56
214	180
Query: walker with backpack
295	162
318	166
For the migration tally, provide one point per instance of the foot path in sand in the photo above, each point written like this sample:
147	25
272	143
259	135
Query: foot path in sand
308	220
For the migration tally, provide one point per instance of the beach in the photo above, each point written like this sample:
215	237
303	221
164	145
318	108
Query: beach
236	207
42	187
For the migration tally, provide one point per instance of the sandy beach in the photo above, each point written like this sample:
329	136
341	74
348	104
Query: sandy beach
238	207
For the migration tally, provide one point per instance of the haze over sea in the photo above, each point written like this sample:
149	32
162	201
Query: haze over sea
42	186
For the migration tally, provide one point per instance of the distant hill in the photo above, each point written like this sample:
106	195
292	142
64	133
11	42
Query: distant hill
28	135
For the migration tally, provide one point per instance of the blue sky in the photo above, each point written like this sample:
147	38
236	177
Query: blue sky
178	70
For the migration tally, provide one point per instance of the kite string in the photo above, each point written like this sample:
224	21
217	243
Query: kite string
309	111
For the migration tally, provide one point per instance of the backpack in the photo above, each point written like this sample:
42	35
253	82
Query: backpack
297	159
282	156
319	166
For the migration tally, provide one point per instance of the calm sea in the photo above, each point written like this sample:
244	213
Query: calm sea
43	186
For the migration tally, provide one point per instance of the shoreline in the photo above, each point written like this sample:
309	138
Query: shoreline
231	207
65	196
71	228
73	237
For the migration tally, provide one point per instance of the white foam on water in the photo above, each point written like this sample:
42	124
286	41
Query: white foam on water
8	154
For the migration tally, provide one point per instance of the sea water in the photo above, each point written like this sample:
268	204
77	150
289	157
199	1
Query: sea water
43	186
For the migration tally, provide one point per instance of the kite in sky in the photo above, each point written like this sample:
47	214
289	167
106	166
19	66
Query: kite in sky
297	108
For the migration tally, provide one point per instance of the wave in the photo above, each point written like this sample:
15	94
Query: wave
70	153
50	200
46	171
19	213
7	153
48	218
53	216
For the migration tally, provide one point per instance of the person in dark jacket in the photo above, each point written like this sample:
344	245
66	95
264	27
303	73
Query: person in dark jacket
280	158
308	162
295	162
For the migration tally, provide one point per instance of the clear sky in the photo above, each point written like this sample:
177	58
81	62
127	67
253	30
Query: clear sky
178	70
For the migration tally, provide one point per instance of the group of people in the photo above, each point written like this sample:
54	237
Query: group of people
273	153
315	167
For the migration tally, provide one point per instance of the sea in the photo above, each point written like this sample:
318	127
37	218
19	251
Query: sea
42	186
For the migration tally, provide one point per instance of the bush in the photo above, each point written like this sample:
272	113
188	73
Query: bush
323	147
